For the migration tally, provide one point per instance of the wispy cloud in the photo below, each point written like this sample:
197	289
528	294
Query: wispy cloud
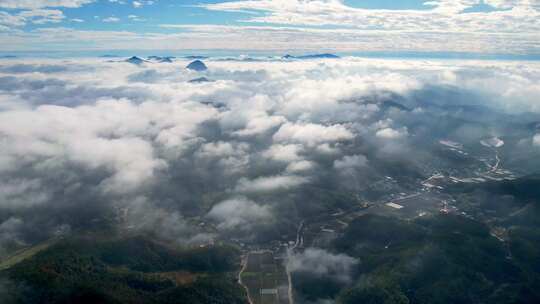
279	39
33	4
508	27
111	19
445	16
141	3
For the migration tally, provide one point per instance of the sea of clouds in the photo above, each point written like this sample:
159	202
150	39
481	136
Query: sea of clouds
86	140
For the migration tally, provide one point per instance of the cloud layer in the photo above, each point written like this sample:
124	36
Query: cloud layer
471	26
88	143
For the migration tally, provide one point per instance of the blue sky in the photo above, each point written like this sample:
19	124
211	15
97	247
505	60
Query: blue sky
462	26
94	16
150	16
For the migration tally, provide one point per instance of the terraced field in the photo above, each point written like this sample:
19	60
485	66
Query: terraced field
266	279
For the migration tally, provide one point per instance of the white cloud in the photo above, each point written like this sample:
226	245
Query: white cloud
36	16
239	213
298	24
9	20
218	149
22	193
536	140
270	183
443	23
33	4
141	3
233	157
322	263
259	124
278	38
389	133
300	166
135	18
327	149
131	159
346	39
312	134
505	4
111	19
111	138
284	153
444	16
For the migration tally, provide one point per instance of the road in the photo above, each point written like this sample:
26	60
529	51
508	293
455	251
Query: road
290	251
244	266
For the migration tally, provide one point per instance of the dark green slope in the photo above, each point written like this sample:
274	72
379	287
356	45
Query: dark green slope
442	259
130	270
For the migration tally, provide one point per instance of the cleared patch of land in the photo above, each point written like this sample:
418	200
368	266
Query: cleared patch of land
24	254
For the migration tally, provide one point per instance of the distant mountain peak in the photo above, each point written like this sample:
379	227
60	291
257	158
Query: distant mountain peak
196	57
197	65
166	59
135	60
313	56
200	80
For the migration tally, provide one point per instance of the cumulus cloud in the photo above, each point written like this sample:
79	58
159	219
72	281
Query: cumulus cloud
389	133
536	140
322	263
300	166
312	134
22	193
259	124
222	149
233	157
55	135
270	183
284	153
239	213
